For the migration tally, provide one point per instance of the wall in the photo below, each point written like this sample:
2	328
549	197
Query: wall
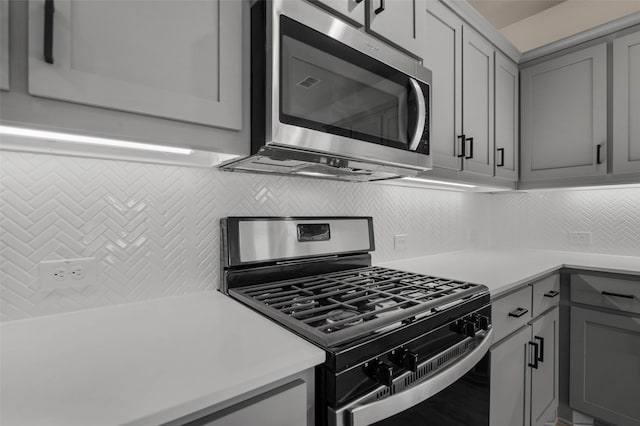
154	228
543	220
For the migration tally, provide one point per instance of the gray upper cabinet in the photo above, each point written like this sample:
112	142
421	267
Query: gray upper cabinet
507	104
564	116
443	56
4	44
398	22
477	103
626	104
605	355
170	59
349	10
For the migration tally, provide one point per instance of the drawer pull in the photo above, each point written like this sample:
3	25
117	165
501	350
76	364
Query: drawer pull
535	355
551	293
626	296
541	353
518	312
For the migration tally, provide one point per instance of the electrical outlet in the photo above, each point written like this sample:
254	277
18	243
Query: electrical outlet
65	273
400	242
579	238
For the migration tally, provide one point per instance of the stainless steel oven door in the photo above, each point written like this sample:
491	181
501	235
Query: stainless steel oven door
410	405
334	89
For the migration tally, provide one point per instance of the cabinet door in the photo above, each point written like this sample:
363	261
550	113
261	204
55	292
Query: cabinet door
4	44
510	381
626	104
284	406
605	366
544	379
564	116
507	104
477	102
398	22
350	10
172	59
443	56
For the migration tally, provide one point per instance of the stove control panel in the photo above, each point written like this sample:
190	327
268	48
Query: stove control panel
470	325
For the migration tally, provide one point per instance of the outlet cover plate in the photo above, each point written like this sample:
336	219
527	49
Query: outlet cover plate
579	238
400	242
49	273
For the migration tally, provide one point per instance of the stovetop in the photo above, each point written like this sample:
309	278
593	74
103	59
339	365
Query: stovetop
335	308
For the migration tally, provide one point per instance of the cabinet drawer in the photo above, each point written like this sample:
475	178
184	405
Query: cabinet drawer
607	292
511	312
546	294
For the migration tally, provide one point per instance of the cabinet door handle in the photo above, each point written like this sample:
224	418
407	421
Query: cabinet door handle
610	294
535	355
598	156
501	151
470	149
380	8
541	352
551	293
462	138
518	312
49	8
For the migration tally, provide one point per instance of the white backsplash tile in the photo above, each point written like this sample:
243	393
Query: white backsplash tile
544	219
154	228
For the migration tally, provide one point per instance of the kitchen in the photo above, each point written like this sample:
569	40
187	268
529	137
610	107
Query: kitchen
112	256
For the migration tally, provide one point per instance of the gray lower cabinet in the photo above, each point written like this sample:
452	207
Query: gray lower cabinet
564	116
605	365
626	104
510	381
524	374
284	406
545	373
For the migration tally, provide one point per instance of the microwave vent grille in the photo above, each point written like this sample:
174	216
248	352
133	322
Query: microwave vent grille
308	82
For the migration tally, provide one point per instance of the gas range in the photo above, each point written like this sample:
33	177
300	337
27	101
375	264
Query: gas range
387	333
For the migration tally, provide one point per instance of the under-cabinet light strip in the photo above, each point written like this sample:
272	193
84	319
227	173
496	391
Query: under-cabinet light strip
438	182
92	140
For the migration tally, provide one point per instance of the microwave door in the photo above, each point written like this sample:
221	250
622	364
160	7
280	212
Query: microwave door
329	87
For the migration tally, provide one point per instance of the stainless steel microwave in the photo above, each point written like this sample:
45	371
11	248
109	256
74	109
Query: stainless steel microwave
328	100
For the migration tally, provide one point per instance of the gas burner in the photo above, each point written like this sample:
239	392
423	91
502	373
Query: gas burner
299	303
338	315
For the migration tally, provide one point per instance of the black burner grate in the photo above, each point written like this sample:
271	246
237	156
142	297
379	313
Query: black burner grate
334	308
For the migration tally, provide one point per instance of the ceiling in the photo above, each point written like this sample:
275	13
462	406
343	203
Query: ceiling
533	23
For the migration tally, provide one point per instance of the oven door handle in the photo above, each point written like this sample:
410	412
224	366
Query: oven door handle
422	114
394	404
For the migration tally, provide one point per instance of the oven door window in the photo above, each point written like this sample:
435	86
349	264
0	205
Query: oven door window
330	87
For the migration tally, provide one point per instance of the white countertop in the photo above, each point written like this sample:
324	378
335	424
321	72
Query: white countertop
504	270
142	363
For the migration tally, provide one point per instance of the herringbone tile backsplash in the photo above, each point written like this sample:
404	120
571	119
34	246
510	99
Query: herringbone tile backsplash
544	219
154	228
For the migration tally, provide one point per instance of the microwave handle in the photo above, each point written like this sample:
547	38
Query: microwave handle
422	114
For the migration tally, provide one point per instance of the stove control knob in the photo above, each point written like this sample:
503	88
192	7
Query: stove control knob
469	329
483	322
410	360
383	373
458	326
